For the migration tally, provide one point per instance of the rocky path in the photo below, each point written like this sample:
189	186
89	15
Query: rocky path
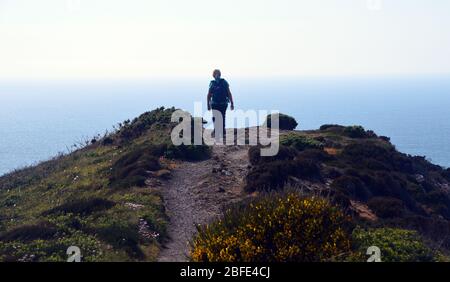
197	192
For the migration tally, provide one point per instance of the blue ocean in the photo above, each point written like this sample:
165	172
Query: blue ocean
39	119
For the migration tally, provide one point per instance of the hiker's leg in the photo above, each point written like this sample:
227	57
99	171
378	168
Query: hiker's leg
223	112
218	121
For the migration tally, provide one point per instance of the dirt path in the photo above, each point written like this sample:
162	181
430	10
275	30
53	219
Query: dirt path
197	192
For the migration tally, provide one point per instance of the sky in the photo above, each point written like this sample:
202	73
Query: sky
93	39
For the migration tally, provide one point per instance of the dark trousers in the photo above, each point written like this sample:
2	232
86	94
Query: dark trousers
221	109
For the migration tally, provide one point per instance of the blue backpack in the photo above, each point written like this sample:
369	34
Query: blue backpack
219	91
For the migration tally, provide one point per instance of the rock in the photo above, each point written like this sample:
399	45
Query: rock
221	190
226	172
134	206
419	178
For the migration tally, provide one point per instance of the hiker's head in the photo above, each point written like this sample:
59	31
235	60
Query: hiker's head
217	74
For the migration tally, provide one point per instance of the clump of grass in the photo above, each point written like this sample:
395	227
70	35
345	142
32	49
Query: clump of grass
300	142
82	206
284	153
188	152
132	168
276	228
122	236
42	230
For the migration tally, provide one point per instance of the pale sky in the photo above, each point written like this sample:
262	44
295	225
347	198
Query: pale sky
63	39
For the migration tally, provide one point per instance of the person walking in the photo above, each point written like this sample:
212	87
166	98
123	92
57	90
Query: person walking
219	96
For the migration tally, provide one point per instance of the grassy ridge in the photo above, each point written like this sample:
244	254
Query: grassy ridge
100	198
75	200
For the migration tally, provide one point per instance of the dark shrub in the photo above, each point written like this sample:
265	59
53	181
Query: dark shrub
131	169
385	138
373	164
125	237
42	230
268	176
156	150
188	152
273	175
351	186
331	126
316	155
338	198
385	184
83	206
300	142
446	174
107	141
386	207
355	131
284	153
377	157
439	201
286	122
357	151
305	168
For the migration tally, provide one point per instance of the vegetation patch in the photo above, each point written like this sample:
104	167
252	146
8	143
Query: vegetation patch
132	169
268	176
396	245
188	152
386	207
286	122
300	142
122	236
276	228
42	230
83	206
284	153
129	130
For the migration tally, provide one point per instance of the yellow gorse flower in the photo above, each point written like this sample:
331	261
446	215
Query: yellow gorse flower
279	228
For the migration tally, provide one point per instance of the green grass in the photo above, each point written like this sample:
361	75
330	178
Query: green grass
70	201
396	245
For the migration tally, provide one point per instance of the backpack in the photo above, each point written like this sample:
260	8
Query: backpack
219	91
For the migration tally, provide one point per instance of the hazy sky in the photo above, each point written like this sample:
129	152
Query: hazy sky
152	38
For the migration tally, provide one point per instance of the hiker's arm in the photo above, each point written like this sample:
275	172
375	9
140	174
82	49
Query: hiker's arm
208	101
231	99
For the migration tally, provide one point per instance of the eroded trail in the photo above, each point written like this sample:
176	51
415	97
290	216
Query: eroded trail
197	192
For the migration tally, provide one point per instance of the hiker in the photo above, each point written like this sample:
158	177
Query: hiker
219	95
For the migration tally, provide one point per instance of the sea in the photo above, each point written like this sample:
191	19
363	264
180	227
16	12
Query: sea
40	119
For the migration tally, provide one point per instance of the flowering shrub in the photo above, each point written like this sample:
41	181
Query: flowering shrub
280	228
